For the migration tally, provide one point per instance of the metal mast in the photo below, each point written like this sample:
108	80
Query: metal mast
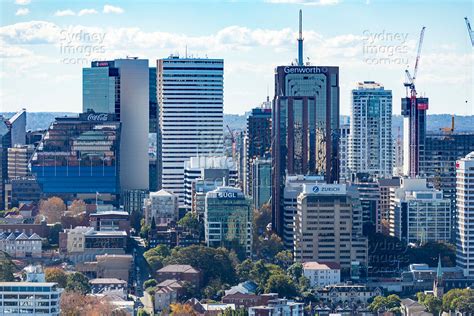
300	41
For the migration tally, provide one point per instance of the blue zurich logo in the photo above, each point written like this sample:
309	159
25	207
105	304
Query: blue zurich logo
315	189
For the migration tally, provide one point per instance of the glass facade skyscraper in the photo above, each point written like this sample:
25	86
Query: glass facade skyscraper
258	141
121	87
370	138
228	220
101	88
79	158
305	127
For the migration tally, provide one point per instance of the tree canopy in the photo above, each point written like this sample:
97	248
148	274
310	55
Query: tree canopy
52	209
56	275
77	282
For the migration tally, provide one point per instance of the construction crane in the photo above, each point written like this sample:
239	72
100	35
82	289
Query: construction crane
449	130
411	93
232	138
469	30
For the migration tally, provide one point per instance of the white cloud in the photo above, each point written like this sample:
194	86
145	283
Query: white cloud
13	51
111	9
22	11
32	32
22	2
305	2
64	12
86	12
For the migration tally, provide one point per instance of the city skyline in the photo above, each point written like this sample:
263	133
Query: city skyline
252	38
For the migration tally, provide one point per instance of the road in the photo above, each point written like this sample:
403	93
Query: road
140	272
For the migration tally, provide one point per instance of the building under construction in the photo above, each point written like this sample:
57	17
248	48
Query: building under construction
438	162
414	134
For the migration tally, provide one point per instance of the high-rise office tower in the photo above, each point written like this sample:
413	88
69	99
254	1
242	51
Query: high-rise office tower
386	190
398	154
465	210
293	188
261	175
258	140
438	162
414	133
328	226
419	214
121	87
344	132
79	158
305	126
370	139
155	151
228	220
369	195
18	157
17	126
214	171
12	132
190	99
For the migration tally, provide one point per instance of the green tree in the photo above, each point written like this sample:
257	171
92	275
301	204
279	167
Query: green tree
243	269
149	283
54	233
378	304
303	283
191	222
381	303
458	300
267	247
214	263
284	259
260	273
213	290
393	302
56	275
261	218
162	251
433	304
295	270
155	263
6	268
430	252
155	256
78	282
142	312
144	230
237	312
281	284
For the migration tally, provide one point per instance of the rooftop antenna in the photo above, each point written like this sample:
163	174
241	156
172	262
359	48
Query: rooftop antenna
300	42
186	51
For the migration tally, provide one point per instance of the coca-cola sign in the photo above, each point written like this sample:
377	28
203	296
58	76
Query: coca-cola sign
97	117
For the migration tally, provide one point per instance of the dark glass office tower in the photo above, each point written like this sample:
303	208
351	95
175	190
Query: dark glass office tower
438	162
305	129
258	141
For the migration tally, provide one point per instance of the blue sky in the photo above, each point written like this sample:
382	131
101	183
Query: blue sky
44	45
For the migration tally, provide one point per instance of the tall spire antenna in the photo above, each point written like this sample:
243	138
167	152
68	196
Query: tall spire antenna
300	41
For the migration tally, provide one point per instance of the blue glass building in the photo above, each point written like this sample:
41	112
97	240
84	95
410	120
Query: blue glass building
79	158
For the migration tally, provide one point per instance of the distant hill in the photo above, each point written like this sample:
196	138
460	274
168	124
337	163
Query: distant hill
39	120
42	120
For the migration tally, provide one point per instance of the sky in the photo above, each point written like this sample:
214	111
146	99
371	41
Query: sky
45	44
